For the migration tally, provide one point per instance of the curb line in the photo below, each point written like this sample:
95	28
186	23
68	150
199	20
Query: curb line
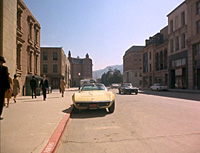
55	138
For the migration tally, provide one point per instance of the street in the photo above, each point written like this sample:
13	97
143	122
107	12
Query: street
150	122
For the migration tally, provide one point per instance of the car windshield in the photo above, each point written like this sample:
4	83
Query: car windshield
157	84
93	87
126	85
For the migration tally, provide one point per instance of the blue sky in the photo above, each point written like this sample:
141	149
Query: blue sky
104	29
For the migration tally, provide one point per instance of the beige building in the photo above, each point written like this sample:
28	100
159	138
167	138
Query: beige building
160	56
55	65
20	41
155	59
132	66
193	43
8	20
27	47
179	56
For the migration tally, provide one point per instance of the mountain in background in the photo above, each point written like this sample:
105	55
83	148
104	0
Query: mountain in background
99	73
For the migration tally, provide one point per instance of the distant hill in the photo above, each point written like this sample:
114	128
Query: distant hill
99	73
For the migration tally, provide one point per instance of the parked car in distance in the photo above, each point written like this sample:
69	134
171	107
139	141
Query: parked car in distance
158	87
127	88
93	96
114	86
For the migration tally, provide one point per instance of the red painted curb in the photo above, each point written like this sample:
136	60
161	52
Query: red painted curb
55	138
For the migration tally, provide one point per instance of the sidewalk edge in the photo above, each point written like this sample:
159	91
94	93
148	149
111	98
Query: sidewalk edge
55	138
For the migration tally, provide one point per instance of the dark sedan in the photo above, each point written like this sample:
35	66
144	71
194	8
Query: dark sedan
127	88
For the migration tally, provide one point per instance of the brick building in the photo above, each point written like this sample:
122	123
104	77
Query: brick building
81	68
132	66
55	65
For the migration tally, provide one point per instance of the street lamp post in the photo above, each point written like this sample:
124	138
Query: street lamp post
79	75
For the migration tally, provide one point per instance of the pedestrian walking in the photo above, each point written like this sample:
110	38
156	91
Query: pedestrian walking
16	87
62	86
33	85
44	85
9	92
4	83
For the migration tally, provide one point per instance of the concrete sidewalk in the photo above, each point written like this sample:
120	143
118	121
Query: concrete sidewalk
29	124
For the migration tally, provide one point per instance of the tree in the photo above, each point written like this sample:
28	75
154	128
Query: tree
111	77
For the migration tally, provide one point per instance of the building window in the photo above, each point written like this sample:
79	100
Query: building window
55	69
165	59
135	74
182	41
30	62
176	23
149	67
45	68
171	26
150	55
36	64
55	56
161	60
177	43
145	62
36	36
198	27
196	49
171	45
45	57
157	61
198	7
30	30
19	14
19	46
183	18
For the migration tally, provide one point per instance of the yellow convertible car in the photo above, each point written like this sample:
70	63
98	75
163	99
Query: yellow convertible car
93	96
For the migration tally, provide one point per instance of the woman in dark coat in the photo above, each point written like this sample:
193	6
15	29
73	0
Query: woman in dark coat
44	85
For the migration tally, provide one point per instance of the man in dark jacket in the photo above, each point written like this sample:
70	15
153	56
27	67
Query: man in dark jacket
4	83
33	85
44	85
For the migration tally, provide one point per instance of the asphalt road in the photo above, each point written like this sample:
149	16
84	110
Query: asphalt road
150	122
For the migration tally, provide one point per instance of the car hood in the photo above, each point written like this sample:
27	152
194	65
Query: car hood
85	96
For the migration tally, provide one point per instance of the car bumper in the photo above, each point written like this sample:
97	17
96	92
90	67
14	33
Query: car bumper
93	104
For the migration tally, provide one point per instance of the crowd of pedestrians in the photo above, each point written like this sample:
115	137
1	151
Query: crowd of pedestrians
10	87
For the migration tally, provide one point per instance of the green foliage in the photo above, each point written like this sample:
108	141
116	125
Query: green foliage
111	77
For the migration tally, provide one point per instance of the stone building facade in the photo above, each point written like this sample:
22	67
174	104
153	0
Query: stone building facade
160	56
193	43
179	56
132	66
27	47
8	20
155	59
55	65
81	68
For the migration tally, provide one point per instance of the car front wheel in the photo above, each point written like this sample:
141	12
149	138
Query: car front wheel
75	110
112	107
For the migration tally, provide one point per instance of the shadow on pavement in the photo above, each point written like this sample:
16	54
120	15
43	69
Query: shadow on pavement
31	101
186	96
68	110
53	97
90	114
